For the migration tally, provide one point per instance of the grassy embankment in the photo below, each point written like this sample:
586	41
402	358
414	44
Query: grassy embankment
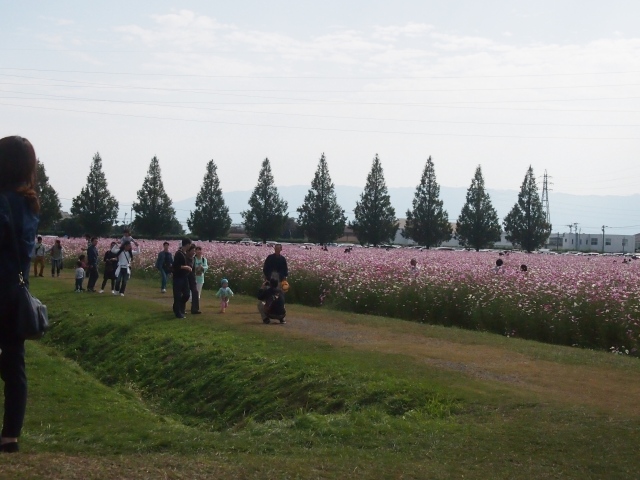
120	389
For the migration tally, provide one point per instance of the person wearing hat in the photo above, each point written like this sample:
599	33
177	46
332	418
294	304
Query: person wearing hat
223	294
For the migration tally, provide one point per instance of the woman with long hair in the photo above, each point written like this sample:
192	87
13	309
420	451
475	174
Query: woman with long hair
19	208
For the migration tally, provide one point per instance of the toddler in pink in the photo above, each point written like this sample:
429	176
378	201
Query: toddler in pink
223	294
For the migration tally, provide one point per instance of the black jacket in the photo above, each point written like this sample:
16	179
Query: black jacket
275	263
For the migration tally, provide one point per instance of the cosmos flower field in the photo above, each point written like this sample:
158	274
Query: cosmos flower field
584	301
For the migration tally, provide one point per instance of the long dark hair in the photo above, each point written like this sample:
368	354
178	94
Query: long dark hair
18	169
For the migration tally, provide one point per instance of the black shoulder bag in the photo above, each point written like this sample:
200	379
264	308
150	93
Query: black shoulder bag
33	318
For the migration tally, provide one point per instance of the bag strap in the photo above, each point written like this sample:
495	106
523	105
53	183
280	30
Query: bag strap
16	249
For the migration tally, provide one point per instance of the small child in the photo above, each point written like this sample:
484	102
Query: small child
413	266
126	237
79	276
223	294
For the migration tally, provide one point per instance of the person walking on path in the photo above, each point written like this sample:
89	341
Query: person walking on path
110	264
164	263
224	294
92	265
275	265
181	270
200	266
193	289
123	270
38	251
19	208
57	255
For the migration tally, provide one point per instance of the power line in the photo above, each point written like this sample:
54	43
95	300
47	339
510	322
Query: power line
344	130
359	90
297	100
322	77
180	105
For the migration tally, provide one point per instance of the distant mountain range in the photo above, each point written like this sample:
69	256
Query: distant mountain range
589	211
621	214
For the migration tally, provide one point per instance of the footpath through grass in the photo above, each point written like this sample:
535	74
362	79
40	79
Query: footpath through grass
121	389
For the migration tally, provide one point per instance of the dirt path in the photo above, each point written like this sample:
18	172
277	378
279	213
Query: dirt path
611	390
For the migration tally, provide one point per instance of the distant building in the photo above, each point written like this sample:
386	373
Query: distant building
583	242
593	242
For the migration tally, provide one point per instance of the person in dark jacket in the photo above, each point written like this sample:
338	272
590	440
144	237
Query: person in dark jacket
164	264
92	264
181	270
19	207
271	302
275	265
110	264
193	289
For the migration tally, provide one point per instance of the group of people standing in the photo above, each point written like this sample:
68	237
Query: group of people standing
117	265
40	250
187	267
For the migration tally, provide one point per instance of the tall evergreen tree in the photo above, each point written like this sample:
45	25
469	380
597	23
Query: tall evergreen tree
155	214
478	225
210	219
427	224
267	210
526	223
50	206
95	207
320	216
375	219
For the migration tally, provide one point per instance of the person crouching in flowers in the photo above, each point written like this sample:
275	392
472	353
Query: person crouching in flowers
223	294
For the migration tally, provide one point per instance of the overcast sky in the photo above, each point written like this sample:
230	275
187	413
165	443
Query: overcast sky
504	84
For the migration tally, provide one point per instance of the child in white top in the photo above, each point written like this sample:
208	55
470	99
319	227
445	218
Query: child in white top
79	276
223	294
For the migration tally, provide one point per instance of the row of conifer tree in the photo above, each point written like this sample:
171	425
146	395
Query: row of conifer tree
320	217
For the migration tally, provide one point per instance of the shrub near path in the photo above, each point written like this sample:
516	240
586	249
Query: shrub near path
417	401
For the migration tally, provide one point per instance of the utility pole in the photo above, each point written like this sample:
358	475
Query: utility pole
603	227
575	225
557	241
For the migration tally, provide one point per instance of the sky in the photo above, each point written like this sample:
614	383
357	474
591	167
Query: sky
501	84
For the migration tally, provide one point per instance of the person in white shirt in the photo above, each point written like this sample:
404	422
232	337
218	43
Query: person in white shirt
38	251
123	269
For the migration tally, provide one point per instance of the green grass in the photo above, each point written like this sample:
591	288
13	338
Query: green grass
120	389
